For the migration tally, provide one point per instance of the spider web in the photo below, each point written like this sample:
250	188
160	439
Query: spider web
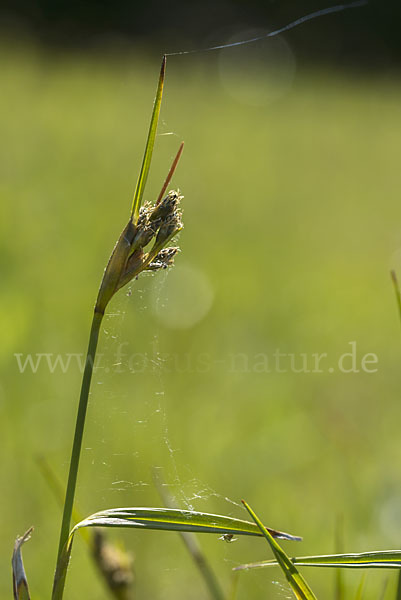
116	405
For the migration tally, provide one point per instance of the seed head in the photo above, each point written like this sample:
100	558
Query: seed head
166	207
131	255
164	259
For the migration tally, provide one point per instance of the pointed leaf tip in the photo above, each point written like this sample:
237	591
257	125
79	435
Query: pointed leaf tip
396	290
175	520
170	173
20	583
298	584
377	559
150	142
167	519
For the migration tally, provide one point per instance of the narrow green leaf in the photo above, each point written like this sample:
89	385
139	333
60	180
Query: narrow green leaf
58	490
397	291
361	586
190	541
398	592
20	584
173	519
384	589
113	563
232	595
299	587
339	593
167	519
170	173
381	559
147	157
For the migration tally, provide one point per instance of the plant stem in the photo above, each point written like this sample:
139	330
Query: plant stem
191	543
397	290
79	430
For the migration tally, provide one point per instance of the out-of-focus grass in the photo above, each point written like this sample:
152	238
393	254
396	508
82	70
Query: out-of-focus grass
292	222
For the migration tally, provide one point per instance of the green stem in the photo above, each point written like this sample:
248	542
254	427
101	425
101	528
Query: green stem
79	430
397	290
191	543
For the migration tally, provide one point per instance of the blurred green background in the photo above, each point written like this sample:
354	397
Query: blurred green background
292	221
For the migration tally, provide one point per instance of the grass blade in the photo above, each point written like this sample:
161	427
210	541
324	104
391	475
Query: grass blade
167	519
359	592
173	519
147	157
20	584
382	559
170	173
299	587
113	563
232	595
339	549
398	592
58	491
384	589
191	543
78	435
397	290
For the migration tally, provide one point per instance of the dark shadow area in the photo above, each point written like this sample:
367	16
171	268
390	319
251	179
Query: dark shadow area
368	37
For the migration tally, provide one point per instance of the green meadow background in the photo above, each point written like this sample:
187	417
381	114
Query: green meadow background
292	222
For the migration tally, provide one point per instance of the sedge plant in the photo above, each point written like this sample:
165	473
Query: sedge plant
148	226
143	245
